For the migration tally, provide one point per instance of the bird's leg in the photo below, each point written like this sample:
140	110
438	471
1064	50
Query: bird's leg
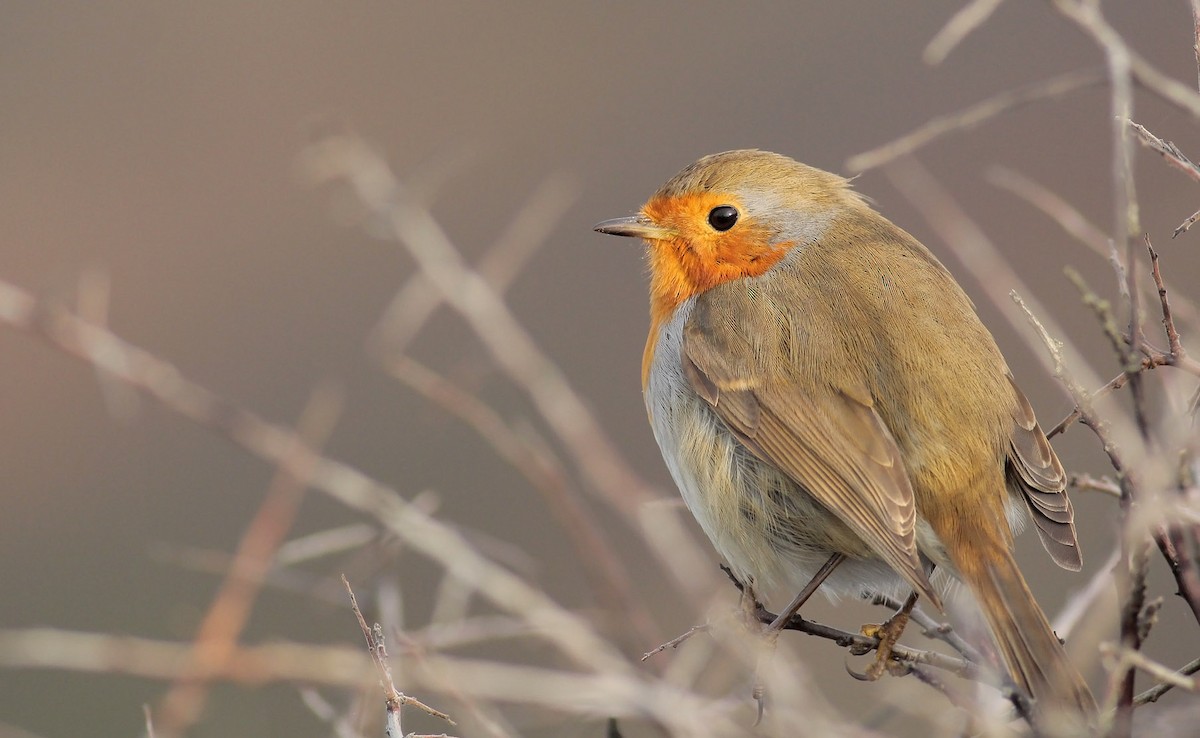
780	622
809	589
887	633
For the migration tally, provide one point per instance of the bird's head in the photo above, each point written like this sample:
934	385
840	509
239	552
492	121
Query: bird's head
730	216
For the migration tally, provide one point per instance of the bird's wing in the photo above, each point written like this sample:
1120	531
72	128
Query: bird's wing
1035	471
833	444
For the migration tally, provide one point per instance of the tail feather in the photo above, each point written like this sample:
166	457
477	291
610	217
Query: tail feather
1034	656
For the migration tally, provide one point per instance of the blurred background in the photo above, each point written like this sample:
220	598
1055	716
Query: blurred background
156	143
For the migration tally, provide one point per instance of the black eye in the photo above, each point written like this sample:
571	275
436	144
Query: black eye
722	217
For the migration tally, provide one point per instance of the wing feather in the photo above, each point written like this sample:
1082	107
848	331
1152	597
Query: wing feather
832	443
1036	472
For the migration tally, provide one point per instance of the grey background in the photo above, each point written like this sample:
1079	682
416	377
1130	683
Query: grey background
157	141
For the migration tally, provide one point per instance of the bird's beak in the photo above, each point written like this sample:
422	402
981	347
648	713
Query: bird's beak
633	226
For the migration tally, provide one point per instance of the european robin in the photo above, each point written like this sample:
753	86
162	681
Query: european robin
823	391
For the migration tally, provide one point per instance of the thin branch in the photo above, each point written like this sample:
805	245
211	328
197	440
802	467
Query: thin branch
233	604
1131	588
1087	16
933	628
1083	402
1071	221
603	567
969	17
1116	383
1176	543
1174	345
1082	601
415	302
1186	225
973	116
325	712
485	717
149	721
92	303
395	699
992	270
1103	310
1166	685
1167	150
440	542
1051	204
861	645
677	640
101	653
1176	158
1196	37
1094	484
344	666
515	351
1176	355
857	643
1136	659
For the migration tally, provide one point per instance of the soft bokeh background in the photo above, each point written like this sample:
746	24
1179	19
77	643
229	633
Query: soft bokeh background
157	142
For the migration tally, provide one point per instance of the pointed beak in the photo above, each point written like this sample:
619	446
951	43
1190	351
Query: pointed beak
633	226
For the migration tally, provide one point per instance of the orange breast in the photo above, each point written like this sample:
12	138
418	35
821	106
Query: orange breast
699	258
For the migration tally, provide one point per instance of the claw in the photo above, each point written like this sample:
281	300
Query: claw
888	634
862	677
759	693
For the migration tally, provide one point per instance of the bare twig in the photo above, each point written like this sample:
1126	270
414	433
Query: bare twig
395	699
927	677
149	721
1083	401
608	575
1176	158
1095	484
511	346
969	17
1137	659
1186	225
1081	603
344	666
933	628
1167	150
1131	586
1071	221
1177	543
1176	355
416	301
1166	685
1059	210
973	116
439	541
1087	16
95	291
221	627
486	717
859	644
1116	383
983	259
320	707
1196	37
1174	345
605	677
677	640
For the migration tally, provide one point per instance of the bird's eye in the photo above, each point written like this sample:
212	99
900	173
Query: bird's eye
722	217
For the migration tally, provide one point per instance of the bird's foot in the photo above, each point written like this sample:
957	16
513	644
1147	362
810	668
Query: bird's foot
888	633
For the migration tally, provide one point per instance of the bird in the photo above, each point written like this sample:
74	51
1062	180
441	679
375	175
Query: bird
829	404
